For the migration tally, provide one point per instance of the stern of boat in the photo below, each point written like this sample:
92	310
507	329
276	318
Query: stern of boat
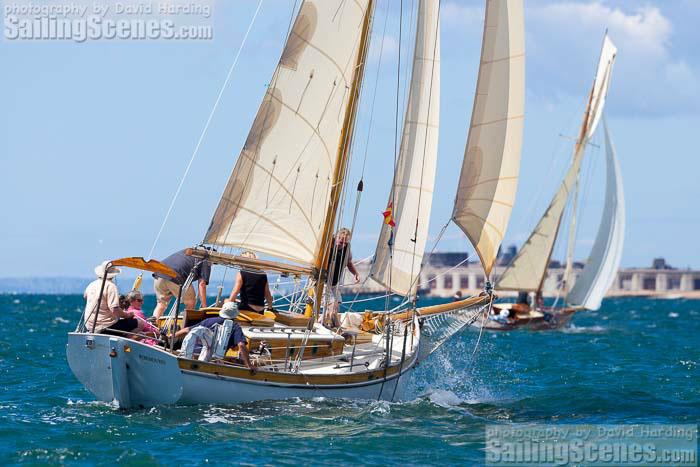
123	371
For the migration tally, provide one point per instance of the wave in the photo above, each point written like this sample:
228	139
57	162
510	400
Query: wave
573	329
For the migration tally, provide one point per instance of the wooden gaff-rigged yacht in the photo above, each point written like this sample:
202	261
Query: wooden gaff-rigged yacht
282	200
528	270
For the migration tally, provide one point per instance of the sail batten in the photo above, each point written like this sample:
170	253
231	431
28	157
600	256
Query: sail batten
489	176
276	199
529	267
601	268
400	247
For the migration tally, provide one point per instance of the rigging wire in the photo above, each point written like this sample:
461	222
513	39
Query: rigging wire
205	129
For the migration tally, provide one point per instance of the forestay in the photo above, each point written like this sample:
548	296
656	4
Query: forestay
400	248
489	177
601	268
528	269
276	199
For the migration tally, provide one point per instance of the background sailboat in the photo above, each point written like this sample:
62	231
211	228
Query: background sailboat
528	270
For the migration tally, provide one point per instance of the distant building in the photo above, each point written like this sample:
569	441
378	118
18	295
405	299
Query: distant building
439	277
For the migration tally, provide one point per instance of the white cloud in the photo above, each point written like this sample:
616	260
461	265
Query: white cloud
457	15
387	47
649	78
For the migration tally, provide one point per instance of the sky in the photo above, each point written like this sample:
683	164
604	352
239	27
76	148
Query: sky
96	135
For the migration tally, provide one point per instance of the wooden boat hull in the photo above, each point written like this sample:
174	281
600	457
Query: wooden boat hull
550	319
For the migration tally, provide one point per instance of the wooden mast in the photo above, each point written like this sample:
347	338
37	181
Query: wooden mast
342	158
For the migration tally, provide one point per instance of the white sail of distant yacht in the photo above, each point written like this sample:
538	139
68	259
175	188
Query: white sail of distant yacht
489	176
402	240
528	269
601	268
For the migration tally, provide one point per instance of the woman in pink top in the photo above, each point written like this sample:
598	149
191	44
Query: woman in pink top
135	299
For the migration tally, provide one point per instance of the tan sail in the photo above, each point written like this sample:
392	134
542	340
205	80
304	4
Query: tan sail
529	267
277	197
397	266
489	176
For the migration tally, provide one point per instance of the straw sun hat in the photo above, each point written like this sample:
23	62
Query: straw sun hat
111	272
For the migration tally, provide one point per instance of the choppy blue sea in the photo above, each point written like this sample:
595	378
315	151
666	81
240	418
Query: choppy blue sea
634	361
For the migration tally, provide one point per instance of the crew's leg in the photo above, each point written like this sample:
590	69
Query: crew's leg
189	298
163	296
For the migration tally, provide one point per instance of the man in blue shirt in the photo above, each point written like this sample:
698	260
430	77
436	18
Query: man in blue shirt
235	341
167	288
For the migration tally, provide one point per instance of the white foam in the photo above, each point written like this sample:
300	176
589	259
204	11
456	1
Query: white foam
573	329
445	398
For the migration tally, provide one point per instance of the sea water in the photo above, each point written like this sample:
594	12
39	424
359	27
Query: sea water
633	361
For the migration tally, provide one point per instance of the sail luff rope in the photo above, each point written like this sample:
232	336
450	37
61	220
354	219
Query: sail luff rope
206	128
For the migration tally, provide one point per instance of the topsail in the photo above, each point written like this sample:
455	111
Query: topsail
400	248
528	269
489	177
276	199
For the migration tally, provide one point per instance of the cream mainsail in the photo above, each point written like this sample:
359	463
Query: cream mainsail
489	176
601	267
529	267
276	199
400	248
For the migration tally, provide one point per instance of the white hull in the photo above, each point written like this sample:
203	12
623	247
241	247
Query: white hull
138	375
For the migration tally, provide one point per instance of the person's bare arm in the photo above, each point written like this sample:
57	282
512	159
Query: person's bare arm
236	288
243	353
202	294
268	295
182	332
353	270
122	314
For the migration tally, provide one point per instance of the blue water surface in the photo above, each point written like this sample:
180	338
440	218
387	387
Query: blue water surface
634	361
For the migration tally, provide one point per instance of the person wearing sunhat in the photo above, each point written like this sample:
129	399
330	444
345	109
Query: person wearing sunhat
110	316
235	341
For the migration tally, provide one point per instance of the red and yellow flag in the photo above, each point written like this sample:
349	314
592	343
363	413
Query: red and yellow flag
389	215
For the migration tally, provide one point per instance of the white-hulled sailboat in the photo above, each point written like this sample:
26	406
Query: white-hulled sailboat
282	200
528	270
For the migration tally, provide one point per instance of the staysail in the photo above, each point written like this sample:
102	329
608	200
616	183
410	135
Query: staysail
601	268
276	198
529	267
489	177
400	247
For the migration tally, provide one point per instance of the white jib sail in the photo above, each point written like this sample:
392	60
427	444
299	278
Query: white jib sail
397	266
276	199
528	269
601	268
489	177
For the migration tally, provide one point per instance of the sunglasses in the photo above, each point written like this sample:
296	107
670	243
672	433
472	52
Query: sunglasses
137	300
